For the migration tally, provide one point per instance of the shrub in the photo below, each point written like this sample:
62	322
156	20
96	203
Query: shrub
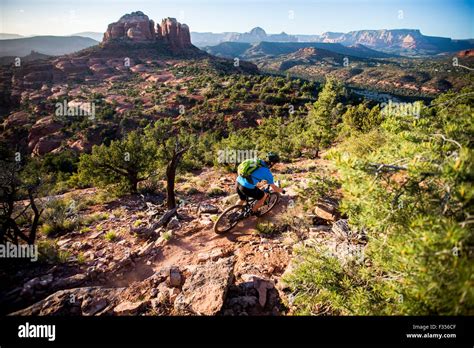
265	228
111	236
216	192
60	216
167	235
85	230
409	185
124	162
90	219
48	251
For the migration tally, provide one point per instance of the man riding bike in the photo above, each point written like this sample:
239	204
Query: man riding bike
246	185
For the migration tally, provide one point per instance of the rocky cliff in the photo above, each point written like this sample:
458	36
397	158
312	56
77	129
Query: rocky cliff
136	27
396	40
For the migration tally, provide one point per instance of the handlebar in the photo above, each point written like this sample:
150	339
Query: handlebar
267	189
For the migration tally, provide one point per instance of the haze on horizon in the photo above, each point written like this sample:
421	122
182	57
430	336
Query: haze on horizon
447	18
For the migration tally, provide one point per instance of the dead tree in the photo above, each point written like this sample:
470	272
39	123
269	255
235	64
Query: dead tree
10	187
174	158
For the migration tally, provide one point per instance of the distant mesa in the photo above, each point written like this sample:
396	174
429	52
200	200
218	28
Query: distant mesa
136	27
409	42
5	36
257	35
397	40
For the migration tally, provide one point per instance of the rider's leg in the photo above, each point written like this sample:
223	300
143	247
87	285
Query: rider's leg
242	197
259	203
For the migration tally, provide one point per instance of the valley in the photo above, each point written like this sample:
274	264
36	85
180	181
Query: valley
359	67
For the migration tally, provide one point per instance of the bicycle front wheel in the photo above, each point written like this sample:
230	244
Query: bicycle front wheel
271	201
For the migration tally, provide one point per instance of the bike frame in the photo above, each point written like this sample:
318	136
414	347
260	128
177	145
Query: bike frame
250	202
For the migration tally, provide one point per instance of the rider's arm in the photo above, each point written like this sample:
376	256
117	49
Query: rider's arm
276	188
270	181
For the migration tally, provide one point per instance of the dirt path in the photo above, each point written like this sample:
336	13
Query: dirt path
128	260
192	246
263	256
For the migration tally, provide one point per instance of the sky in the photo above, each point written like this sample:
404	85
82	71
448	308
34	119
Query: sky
447	18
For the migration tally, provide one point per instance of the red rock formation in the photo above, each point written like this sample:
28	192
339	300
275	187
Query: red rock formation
16	119
158	34
42	128
137	27
466	53
174	33
48	144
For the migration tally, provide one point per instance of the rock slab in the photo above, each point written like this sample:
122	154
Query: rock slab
204	291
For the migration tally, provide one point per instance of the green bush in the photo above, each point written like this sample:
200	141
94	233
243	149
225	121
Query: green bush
216	192
111	236
59	217
325	115
48	251
415	210
124	162
265	228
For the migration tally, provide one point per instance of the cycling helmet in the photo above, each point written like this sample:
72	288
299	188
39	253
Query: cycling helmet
273	157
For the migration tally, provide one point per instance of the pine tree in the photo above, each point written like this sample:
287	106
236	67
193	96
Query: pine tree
324	116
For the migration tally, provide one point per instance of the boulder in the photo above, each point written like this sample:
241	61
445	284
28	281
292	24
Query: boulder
343	231
173	294
16	119
206	208
69	302
204	291
260	284
211	255
70	282
327	209
43	127
91	306
175	278
129	308
48	144
146	249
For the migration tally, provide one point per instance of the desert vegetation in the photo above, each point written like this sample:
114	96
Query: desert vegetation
377	219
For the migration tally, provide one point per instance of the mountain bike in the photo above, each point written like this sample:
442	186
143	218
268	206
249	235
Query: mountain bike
233	215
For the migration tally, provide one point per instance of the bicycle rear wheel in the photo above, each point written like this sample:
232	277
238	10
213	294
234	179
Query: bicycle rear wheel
228	219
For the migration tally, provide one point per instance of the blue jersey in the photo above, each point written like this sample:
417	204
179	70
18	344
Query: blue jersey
260	174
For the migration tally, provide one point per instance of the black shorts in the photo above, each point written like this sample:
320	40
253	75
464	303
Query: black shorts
244	192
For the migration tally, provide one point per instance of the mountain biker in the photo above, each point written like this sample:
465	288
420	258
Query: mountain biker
246	187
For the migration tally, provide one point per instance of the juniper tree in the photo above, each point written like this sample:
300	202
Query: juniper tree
324	116
125	162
